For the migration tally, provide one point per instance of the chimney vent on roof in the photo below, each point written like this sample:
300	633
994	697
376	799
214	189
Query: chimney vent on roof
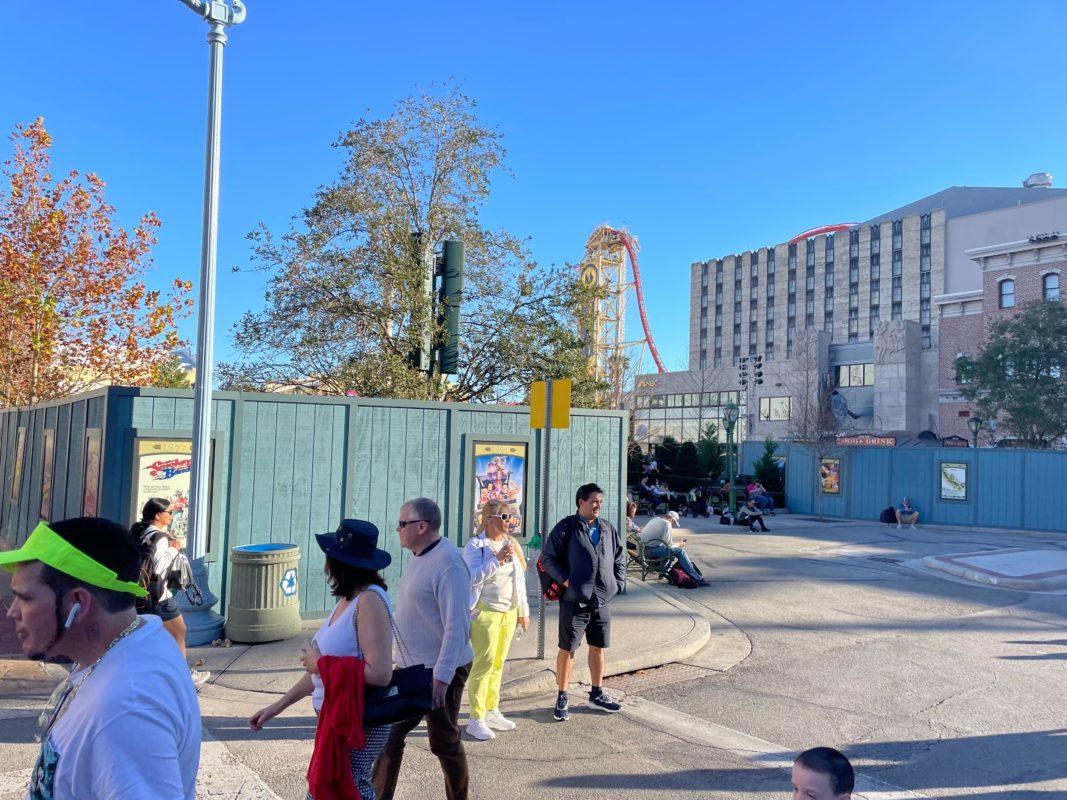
1039	180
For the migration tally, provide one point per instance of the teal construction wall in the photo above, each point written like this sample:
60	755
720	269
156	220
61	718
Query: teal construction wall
288	467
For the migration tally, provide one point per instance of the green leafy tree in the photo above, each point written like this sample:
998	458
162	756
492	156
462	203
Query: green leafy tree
766	468
687	466
172	374
711	451
1017	375
347	300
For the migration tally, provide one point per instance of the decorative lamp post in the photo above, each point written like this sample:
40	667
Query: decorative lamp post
975	424
730	415
205	626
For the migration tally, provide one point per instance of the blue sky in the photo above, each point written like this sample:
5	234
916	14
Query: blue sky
704	127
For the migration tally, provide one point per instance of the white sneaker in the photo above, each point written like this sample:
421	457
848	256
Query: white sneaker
479	730
913	527
199	676
497	721
898	526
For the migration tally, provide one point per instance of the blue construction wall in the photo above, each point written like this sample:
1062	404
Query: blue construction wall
1017	489
286	468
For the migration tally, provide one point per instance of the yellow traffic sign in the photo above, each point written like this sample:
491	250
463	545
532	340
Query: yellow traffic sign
561	403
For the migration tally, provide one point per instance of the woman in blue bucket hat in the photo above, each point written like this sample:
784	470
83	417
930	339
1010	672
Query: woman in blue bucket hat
359	626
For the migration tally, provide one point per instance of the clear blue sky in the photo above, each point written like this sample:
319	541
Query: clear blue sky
705	127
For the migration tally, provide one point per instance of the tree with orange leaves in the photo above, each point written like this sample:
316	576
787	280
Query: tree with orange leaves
76	310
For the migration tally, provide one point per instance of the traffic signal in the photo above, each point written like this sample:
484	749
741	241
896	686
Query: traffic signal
742	370
757	370
451	271
420	355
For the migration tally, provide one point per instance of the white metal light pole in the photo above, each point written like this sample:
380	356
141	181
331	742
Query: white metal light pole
219	16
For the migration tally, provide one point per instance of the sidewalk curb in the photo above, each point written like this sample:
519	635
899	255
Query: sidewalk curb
685	646
985	577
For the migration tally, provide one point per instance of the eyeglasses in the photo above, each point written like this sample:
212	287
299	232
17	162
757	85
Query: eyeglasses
504	516
405	522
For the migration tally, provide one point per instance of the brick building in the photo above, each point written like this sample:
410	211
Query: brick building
872	298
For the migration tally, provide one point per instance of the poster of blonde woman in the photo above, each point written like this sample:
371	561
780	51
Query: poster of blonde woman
500	474
830	475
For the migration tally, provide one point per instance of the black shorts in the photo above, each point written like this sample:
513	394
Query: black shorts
575	620
165	609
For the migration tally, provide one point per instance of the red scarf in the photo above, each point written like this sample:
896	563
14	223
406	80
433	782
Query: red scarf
340	729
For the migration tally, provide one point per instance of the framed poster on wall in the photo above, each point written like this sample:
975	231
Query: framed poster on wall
48	462
953	480
163	468
20	451
830	475
499	471
91	484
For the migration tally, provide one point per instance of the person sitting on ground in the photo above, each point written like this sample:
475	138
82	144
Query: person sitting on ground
762	497
698	502
907	514
659	542
823	773
750	514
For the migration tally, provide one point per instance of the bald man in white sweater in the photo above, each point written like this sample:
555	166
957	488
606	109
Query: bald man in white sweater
433	620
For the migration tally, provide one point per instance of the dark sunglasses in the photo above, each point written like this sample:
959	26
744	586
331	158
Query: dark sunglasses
505	516
405	522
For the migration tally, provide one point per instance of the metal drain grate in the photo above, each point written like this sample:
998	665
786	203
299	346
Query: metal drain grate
636	682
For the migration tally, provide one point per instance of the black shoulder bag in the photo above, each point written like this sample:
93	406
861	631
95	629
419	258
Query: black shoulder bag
409	694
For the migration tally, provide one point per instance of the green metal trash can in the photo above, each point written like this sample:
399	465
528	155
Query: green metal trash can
264	602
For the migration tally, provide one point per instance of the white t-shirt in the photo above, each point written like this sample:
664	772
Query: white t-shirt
339	639
657	528
130	732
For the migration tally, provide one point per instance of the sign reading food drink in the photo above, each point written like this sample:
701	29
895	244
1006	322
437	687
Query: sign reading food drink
869	441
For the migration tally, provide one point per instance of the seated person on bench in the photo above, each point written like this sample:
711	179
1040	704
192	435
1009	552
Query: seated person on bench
698	503
762	497
661	528
750	514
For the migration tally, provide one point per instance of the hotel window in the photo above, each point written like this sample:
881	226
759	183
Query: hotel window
774	409
1007	293
828	253
768	352
770	313
853	325
828	300
704	276
849	375
718	273
898	262
924	286
737	315
854	243
1050	286
738	269
753	263
718	359
811	253
769	334
737	294
828	322
876	240
898	234
874	317
703	358
876	267
737	337
853	297
770	262
924	258
828	279
770	292
924	229
792	263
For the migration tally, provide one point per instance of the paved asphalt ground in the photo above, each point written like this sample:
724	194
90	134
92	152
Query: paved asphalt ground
934	679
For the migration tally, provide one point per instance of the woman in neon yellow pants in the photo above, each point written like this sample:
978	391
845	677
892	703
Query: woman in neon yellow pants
498	604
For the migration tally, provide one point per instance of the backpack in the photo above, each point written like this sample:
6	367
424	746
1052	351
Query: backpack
888	515
151	583
677	576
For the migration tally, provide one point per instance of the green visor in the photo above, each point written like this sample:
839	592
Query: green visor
49	547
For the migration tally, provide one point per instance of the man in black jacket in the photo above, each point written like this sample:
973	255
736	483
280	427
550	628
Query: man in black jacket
585	555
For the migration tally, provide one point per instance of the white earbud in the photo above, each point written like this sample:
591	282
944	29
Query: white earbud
74	609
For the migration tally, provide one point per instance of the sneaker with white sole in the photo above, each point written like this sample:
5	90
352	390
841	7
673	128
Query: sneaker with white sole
602	702
199	676
898	526
479	730
497	721
562	712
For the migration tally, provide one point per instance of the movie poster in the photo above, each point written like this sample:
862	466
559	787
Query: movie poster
830	475
164	468
48	464
92	471
500	474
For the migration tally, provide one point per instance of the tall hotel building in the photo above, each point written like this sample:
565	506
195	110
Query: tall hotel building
869	299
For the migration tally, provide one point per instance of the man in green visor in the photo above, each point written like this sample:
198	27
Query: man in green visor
126	723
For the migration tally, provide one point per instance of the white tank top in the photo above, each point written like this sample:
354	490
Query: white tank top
339	638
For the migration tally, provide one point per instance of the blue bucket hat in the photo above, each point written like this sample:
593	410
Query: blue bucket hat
355	542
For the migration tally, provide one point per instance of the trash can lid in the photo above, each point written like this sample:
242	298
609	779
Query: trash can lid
262	548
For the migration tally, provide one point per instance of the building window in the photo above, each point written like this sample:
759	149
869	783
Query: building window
737	294
770	262
768	352
774	409
1007	293
875	310
924	229
753	262
898	234
738	262
792	264
849	375
897	290
1050	286
769	336
811	253
828	322
876	267
718	274
876	240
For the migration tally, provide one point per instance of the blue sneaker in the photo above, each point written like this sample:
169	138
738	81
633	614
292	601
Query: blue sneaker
562	711
602	702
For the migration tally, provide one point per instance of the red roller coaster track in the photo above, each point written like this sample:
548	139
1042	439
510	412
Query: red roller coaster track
810	232
629	245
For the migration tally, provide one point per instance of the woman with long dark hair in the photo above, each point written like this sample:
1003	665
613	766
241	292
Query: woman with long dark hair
150	533
359	627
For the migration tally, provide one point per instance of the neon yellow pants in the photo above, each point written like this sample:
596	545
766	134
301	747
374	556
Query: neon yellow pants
491	634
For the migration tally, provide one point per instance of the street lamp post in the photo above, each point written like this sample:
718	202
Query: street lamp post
730	415
975	424
219	16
